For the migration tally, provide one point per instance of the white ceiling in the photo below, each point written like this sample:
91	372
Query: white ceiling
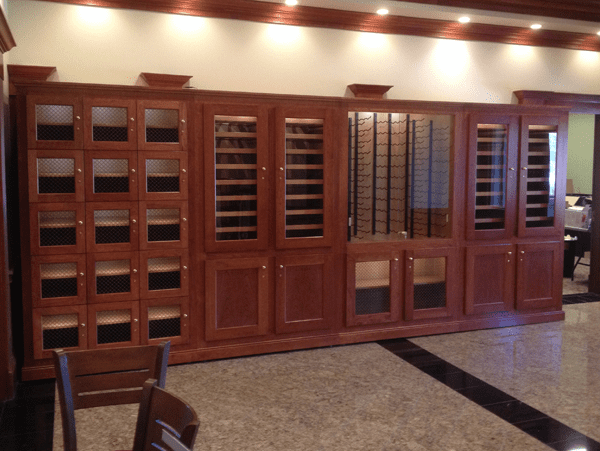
452	14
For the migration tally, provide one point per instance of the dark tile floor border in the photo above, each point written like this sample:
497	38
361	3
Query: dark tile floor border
580	298
537	424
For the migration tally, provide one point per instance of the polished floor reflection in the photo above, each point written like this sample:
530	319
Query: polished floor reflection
523	388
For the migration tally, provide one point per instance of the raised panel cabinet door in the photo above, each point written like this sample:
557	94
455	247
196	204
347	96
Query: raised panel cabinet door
236	177
111	176
56	176
373	288
163	125
165	319
59	328
492	176
542	176
304	293
431	277
490	279
539	275
304	184
54	122
114	325
109	124
237	298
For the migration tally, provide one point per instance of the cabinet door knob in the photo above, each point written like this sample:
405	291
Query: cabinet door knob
133	170
134	221
511	169
522	252
185	315
80	222
184	219
524	168
510	253
264	169
281	266
396	259
281	169
185	267
81	274
77	117
264	267
82	324
132	119
183	121
411	259
135	320
184	171
135	271
78	170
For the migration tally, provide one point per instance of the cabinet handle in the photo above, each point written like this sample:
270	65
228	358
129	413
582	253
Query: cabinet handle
82	324
524	168
133	171
511	169
184	219
411	259
281	169
264	267
135	271
135	320
264	169
77	117
80	222
134	221
132	119
185	267
184	171
396	259
79	170
522	252
185	315
81	274
281	266
183	121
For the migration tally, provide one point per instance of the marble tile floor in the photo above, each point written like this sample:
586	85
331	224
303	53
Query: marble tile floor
521	388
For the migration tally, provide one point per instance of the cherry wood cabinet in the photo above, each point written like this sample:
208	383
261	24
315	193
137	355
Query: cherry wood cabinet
236	177
110	123
228	222
430	283
490	278
539	275
303	293
374	287
237	298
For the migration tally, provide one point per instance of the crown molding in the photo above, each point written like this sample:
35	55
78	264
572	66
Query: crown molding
7	41
278	13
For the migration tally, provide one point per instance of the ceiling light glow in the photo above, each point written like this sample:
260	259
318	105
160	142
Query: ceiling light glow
536	26
291	2
382	11
464	19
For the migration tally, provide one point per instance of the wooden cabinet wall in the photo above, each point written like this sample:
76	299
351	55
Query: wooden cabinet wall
220	221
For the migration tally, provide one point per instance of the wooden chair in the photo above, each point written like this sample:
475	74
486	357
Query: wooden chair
104	377
165	422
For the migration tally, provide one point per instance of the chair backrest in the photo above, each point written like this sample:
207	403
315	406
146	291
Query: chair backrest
165	422
103	377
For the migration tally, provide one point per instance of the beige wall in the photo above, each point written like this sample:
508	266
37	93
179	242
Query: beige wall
113	46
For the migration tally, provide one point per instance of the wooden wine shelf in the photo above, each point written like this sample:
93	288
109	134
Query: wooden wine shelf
235	229
488	220
236	150
303	136
235	214
245	197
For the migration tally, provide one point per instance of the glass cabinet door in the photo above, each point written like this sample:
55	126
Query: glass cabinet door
303	180
491	208
541	162
236	178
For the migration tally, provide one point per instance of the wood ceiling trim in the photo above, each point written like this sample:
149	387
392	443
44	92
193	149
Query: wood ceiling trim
586	10
277	13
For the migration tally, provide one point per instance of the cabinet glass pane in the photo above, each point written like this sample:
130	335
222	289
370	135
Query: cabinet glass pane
57	228
162	176
162	126
164	321
113	326
111	226
163	224
541	176
56	175
372	287
111	175
429	283
399	176
54	123
164	273
58	280
303	178
236	178
113	276
60	331
492	146
109	124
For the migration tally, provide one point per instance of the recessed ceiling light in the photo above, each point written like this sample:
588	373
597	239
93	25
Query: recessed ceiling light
382	11
536	26
291	2
464	19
